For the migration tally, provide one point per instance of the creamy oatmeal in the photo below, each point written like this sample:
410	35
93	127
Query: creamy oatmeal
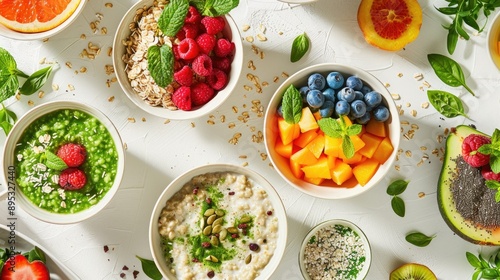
220	226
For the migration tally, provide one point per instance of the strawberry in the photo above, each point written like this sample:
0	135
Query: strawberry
72	154
20	268
470	146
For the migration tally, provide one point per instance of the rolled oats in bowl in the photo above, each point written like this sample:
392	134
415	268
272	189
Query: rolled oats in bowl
219	224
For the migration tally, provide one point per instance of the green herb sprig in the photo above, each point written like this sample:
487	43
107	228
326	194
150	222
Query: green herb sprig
448	71
291	105
465	11
339	129
7	119
397	203
149	268
493	150
419	239
494	185
446	103
300	46
484	269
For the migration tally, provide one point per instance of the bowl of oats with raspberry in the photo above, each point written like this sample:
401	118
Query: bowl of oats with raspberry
175	60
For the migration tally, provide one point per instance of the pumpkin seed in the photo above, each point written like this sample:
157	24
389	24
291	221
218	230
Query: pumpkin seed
218	221
211	219
219	212
245	219
223	234
209	212
248	259
214	240
207	231
212	258
232	230
202	223
216	229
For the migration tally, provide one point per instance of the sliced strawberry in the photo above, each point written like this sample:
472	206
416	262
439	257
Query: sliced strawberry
19	269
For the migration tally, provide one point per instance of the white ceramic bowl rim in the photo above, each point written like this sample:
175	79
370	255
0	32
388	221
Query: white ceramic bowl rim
279	210
366	266
118	49
278	161
9	157
8	33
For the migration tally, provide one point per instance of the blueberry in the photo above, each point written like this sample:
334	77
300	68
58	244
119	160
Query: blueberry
280	111
329	94
335	80
366	89
342	107
373	99
381	113
316	81
327	109
354	82
303	92
364	118
359	95
346	94
315	98
358	108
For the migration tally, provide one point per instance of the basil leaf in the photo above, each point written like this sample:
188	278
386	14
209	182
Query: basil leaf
330	127
398	206
489	273
347	146
473	260
35	81
222	7
451	40
161	64
419	239
150	269
36	254
448	70
300	46
6	126
397	187
172	17
291	105
446	103
54	162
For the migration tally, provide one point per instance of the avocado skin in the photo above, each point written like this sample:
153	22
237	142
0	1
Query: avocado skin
465	229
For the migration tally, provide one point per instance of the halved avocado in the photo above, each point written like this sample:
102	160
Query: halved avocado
466	229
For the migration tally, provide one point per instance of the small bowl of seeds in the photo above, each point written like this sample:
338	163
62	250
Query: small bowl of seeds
335	249
176	69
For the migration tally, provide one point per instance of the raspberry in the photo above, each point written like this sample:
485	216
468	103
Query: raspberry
184	76
182	98
189	30
469	150
72	179
206	42
72	154
202	65
222	63
218	79
175	50
193	16
213	25
201	93
488	174
223	47
188	49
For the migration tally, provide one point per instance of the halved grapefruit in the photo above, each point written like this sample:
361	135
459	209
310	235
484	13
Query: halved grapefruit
390	24
32	16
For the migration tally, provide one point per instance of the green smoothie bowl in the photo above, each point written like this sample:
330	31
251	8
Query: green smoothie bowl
62	162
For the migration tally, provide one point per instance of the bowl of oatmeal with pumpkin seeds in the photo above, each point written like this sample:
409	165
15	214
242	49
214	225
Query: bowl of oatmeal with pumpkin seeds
202	63
218	221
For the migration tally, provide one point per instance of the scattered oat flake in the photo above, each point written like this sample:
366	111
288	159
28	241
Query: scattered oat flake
421	194
425	105
261	37
246	27
413	113
55	87
41	94
31	103
108	5
71	87
245	164
387	85
249	39
131	120
418	76
400	75
395	96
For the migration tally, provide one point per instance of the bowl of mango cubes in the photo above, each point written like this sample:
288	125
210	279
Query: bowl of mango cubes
332	131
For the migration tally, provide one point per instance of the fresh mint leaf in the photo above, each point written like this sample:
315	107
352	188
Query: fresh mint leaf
354	129
493	150
161	64
330	127
398	206
339	129
150	269
7	119
8	75
300	46
35	81
222	7
347	146
446	103
172	17
397	187
54	162
291	105
448	70
419	239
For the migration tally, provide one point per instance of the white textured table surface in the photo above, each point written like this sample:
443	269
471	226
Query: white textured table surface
158	152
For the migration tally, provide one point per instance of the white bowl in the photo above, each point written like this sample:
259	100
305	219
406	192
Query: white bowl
155	239
281	164
363	239
9	33
493	41
14	193
231	31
